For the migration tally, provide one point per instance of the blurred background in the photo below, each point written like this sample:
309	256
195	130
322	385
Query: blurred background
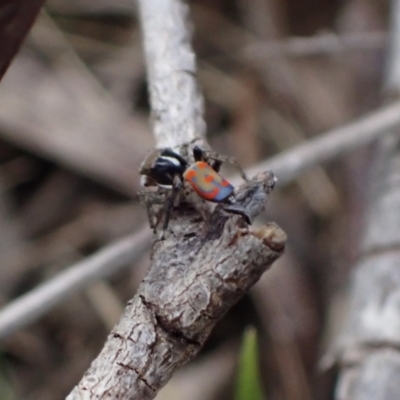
74	127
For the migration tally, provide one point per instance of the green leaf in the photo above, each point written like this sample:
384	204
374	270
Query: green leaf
248	383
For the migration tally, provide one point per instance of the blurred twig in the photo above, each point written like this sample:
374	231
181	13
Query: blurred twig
321	44
367	350
16	18
29	307
336	142
62	111
284	303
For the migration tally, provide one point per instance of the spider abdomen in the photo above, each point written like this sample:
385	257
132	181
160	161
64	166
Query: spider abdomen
207	183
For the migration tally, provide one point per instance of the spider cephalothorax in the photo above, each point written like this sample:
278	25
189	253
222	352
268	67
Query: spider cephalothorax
160	168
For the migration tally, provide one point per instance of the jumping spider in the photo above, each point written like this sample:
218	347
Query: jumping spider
169	170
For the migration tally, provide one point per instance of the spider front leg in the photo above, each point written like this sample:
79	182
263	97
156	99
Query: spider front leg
160	204
153	201
215	160
169	204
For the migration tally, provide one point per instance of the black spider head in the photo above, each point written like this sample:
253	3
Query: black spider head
161	166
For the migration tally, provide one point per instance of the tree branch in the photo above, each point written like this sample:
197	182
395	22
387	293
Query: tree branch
198	273
177	105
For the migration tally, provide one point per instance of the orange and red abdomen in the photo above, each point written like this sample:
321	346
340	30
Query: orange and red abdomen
207	183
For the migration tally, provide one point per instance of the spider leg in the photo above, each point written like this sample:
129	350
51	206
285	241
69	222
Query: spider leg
169	205
231	160
216	165
215	160
151	199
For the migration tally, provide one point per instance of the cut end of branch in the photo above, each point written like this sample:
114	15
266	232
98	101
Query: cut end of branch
272	235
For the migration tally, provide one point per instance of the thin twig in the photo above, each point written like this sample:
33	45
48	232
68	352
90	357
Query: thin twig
16	20
392	81
37	302
326	43
289	164
177	106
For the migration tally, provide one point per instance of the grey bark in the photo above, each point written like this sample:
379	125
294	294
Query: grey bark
177	106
